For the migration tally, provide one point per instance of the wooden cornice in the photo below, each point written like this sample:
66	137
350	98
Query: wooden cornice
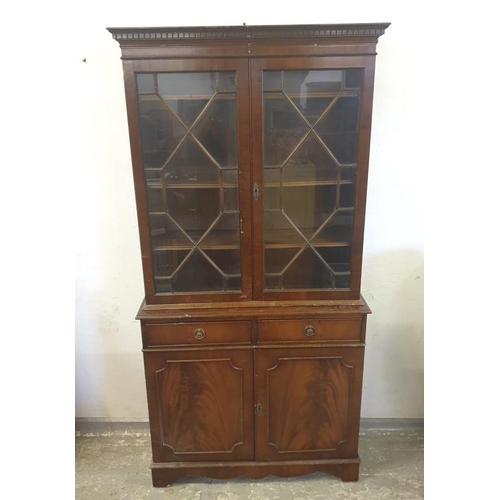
170	35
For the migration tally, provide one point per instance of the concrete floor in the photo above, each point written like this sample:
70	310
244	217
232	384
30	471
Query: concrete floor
116	465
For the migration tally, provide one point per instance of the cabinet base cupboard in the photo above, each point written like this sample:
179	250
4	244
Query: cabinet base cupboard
250	149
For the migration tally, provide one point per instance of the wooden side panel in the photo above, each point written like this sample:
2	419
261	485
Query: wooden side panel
310	400
200	404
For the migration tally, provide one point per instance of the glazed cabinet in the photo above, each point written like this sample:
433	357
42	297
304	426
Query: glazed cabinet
250	150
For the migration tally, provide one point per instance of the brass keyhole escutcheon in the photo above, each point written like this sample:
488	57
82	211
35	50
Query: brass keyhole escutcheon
259	409
255	191
309	330
199	333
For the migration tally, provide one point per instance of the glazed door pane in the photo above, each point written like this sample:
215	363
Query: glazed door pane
310	122
189	138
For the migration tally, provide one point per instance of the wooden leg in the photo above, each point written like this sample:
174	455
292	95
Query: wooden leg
164	477
349	472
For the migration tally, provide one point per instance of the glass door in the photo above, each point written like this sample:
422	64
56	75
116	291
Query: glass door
191	127
308	167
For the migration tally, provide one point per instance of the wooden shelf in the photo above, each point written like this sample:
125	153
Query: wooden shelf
301	178
306	183
194	185
221	94
235	186
191	178
215	240
188	97
279	94
337	236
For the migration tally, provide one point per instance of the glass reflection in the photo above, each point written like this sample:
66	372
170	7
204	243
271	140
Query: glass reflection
189	144
310	134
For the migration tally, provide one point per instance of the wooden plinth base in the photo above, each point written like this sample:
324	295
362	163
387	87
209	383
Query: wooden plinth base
166	473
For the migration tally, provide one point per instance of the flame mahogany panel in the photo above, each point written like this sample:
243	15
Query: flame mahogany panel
200	404
310	402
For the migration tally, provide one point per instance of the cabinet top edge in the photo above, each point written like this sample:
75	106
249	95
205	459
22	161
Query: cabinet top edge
253	309
145	35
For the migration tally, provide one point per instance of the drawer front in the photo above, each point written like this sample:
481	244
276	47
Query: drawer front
196	334
310	330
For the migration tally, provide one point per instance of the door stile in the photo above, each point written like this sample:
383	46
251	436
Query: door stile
256	100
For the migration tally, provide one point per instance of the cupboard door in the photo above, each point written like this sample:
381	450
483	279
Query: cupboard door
200	404
313	116
307	403
192	174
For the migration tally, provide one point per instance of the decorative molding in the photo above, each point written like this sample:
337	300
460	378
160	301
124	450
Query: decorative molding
248	32
161	405
312	358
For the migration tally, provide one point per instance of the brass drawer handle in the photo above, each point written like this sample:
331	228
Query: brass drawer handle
199	333
309	330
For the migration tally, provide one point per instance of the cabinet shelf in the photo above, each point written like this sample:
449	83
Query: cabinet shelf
306	183
193	178
293	183
278	94
338	236
294	175
216	240
193	185
308	174
228	95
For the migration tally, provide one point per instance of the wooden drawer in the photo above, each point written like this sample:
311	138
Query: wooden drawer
196	334
310	330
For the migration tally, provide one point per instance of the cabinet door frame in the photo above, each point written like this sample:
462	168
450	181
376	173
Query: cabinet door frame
257	66
240	66
267	360
157	361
